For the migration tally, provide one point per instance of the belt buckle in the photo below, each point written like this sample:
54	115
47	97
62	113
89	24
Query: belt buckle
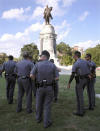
44	83
23	77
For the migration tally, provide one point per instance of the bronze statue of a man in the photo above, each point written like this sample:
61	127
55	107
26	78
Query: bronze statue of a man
47	14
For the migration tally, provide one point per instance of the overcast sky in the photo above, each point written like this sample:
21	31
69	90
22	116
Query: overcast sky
77	22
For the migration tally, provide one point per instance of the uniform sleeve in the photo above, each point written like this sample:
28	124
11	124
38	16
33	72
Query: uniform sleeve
34	70
74	68
93	67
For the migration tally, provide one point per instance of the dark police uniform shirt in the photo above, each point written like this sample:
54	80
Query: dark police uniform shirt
45	70
9	67
23	68
81	67
93	65
32	63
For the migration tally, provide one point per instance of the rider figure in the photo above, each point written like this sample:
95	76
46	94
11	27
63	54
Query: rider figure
47	14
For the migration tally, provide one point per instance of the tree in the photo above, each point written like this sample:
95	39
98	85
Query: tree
64	53
3	57
95	52
64	49
66	60
32	50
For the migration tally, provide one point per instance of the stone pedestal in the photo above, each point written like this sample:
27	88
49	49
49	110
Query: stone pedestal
48	41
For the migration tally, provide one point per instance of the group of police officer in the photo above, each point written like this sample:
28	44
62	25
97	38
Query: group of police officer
43	75
84	73
42	78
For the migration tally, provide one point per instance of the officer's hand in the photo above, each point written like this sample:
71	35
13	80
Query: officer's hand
68	86
90	77
32	77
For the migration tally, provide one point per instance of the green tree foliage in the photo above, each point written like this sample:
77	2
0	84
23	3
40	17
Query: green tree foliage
64	53
95	52
3	58
64	49
32	50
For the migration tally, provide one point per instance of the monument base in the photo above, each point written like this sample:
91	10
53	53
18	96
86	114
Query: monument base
48	41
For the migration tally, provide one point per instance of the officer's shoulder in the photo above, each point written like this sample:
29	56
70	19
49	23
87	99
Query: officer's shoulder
14	62
39	62
87	61
93	62
52	64
76	63
83	61
49	62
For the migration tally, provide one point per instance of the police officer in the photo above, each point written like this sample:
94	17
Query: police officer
23	69
45	73
81	72
91	83
10	77
56	84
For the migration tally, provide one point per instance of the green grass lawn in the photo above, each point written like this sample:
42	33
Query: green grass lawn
63	119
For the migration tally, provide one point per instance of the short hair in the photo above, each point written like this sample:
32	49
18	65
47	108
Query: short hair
78	54
25	55
10	57
52	60
46	53
89	55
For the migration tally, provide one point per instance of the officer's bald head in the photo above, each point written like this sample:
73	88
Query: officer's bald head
10	57
45	55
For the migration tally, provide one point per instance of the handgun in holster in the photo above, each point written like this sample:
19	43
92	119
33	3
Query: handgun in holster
77	79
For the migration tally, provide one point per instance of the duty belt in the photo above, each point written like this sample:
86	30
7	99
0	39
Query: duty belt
24	77
10	74
44	84
83	76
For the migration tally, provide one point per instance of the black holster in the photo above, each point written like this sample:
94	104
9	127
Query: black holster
77	79
44	84
10	75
